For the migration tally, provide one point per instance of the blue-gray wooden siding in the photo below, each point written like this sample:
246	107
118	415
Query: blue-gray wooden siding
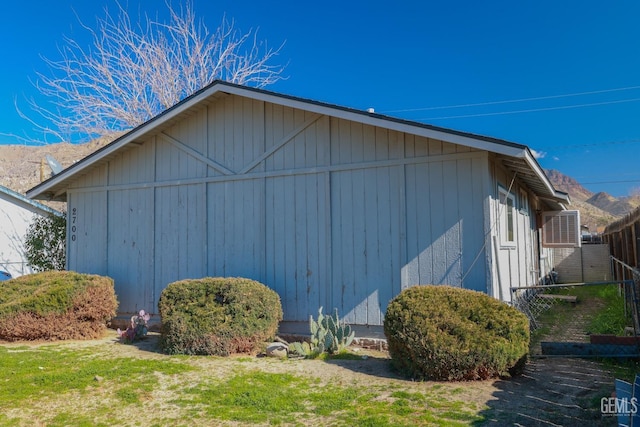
326	211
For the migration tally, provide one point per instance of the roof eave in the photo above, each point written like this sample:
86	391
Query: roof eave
559	196
26	203
44	191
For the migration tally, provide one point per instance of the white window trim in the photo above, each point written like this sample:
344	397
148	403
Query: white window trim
506	213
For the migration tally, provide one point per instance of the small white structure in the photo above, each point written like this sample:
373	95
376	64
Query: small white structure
329	206
16	214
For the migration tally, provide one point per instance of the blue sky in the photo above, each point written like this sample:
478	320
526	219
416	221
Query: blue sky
404	58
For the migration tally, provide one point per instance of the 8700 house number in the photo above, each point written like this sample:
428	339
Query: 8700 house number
74	219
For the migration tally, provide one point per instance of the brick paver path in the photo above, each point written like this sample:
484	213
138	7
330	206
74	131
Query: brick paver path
557	391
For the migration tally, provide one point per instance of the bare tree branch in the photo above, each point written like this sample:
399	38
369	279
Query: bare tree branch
132	72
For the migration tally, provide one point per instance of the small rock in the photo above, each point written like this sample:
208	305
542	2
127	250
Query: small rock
277	349
98	378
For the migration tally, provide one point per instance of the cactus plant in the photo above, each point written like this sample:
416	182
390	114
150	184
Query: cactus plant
328	329
305	349
327	334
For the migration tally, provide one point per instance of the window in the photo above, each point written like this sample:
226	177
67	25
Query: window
524	202
561	229
507	219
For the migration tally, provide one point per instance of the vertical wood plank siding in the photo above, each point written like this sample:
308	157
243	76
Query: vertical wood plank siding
309	220
515	265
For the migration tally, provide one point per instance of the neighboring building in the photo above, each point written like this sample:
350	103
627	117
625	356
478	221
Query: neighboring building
16	214
329	206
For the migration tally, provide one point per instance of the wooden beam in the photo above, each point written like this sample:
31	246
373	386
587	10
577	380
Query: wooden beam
285	172
568	298
311	120
193	153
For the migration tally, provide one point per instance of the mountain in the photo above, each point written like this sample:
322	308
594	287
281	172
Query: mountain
617	206
592	216
596	209
569	185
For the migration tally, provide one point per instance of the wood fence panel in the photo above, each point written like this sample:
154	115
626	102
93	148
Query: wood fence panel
623	237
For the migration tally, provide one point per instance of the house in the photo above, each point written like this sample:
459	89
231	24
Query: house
329	206
16	214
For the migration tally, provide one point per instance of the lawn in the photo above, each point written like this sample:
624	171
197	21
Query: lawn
103	382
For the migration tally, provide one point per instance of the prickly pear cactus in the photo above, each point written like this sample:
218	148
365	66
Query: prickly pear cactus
327	334
328	329
301	348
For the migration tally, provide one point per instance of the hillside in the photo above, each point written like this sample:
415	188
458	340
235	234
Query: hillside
569	185
616	206
21	166
592	216
596	209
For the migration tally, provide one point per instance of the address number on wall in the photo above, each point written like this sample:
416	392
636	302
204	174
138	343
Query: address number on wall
74	219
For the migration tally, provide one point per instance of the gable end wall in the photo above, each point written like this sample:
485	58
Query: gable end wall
325	211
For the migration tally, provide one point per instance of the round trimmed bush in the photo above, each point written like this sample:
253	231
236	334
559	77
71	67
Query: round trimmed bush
217	316
449	334
56	305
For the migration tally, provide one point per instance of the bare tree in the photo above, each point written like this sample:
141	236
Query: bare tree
132	72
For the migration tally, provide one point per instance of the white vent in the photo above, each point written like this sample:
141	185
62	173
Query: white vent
561	229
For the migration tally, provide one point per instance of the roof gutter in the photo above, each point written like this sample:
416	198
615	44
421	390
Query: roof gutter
20	200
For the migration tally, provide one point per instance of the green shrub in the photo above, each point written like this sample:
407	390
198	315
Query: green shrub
449	334
217	316
56	305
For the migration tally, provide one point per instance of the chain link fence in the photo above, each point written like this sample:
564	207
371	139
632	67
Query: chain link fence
534	301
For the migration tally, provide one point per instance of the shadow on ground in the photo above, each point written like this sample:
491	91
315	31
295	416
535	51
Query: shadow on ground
369	365
552	392
150	343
